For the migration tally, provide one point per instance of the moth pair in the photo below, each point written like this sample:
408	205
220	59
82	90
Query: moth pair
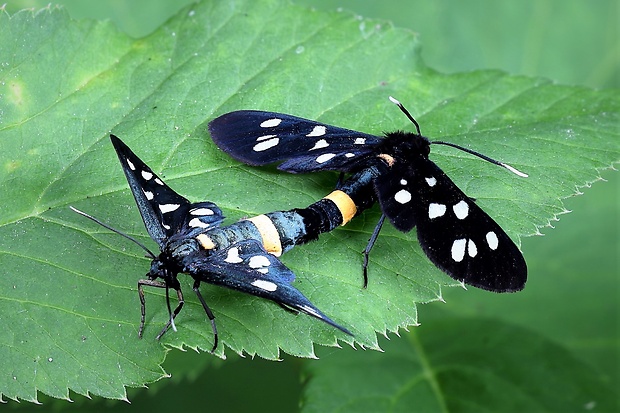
394	170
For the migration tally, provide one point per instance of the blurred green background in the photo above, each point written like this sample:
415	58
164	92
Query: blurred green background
570	42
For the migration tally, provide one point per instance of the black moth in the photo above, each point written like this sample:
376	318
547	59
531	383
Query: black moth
192	242
456	235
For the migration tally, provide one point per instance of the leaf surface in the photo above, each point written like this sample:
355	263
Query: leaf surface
69	300
458	365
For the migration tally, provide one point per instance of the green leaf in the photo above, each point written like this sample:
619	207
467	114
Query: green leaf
70	289
458	364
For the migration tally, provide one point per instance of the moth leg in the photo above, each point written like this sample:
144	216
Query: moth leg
170	317
371	243
141	283
340	180
176	311
208	312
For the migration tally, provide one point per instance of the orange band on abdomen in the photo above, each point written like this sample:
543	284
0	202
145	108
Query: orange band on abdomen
344	203
269	233
205	241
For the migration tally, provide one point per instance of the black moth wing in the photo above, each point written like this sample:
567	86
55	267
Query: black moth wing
246	266
261	138
163	211
455	233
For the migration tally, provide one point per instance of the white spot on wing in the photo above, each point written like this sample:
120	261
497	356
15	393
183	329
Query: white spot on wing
131	165
320	144
263	146
265	137
265	285
458	249
147	175
149	195
318	130
461	210
197	223
325	157
360	141
492	240
258	261
436	210
165	208
260	264
403	182
349	155
270	123
201	211
431	181
472	250
233	256
159	181
403	196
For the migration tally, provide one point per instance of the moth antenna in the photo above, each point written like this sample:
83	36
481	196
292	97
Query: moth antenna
129	237
486	158
478	154
406	112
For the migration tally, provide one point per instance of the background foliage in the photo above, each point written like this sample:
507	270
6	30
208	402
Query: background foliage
571	298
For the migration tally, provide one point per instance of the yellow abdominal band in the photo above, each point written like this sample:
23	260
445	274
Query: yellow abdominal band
205	242
344	203
269	233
